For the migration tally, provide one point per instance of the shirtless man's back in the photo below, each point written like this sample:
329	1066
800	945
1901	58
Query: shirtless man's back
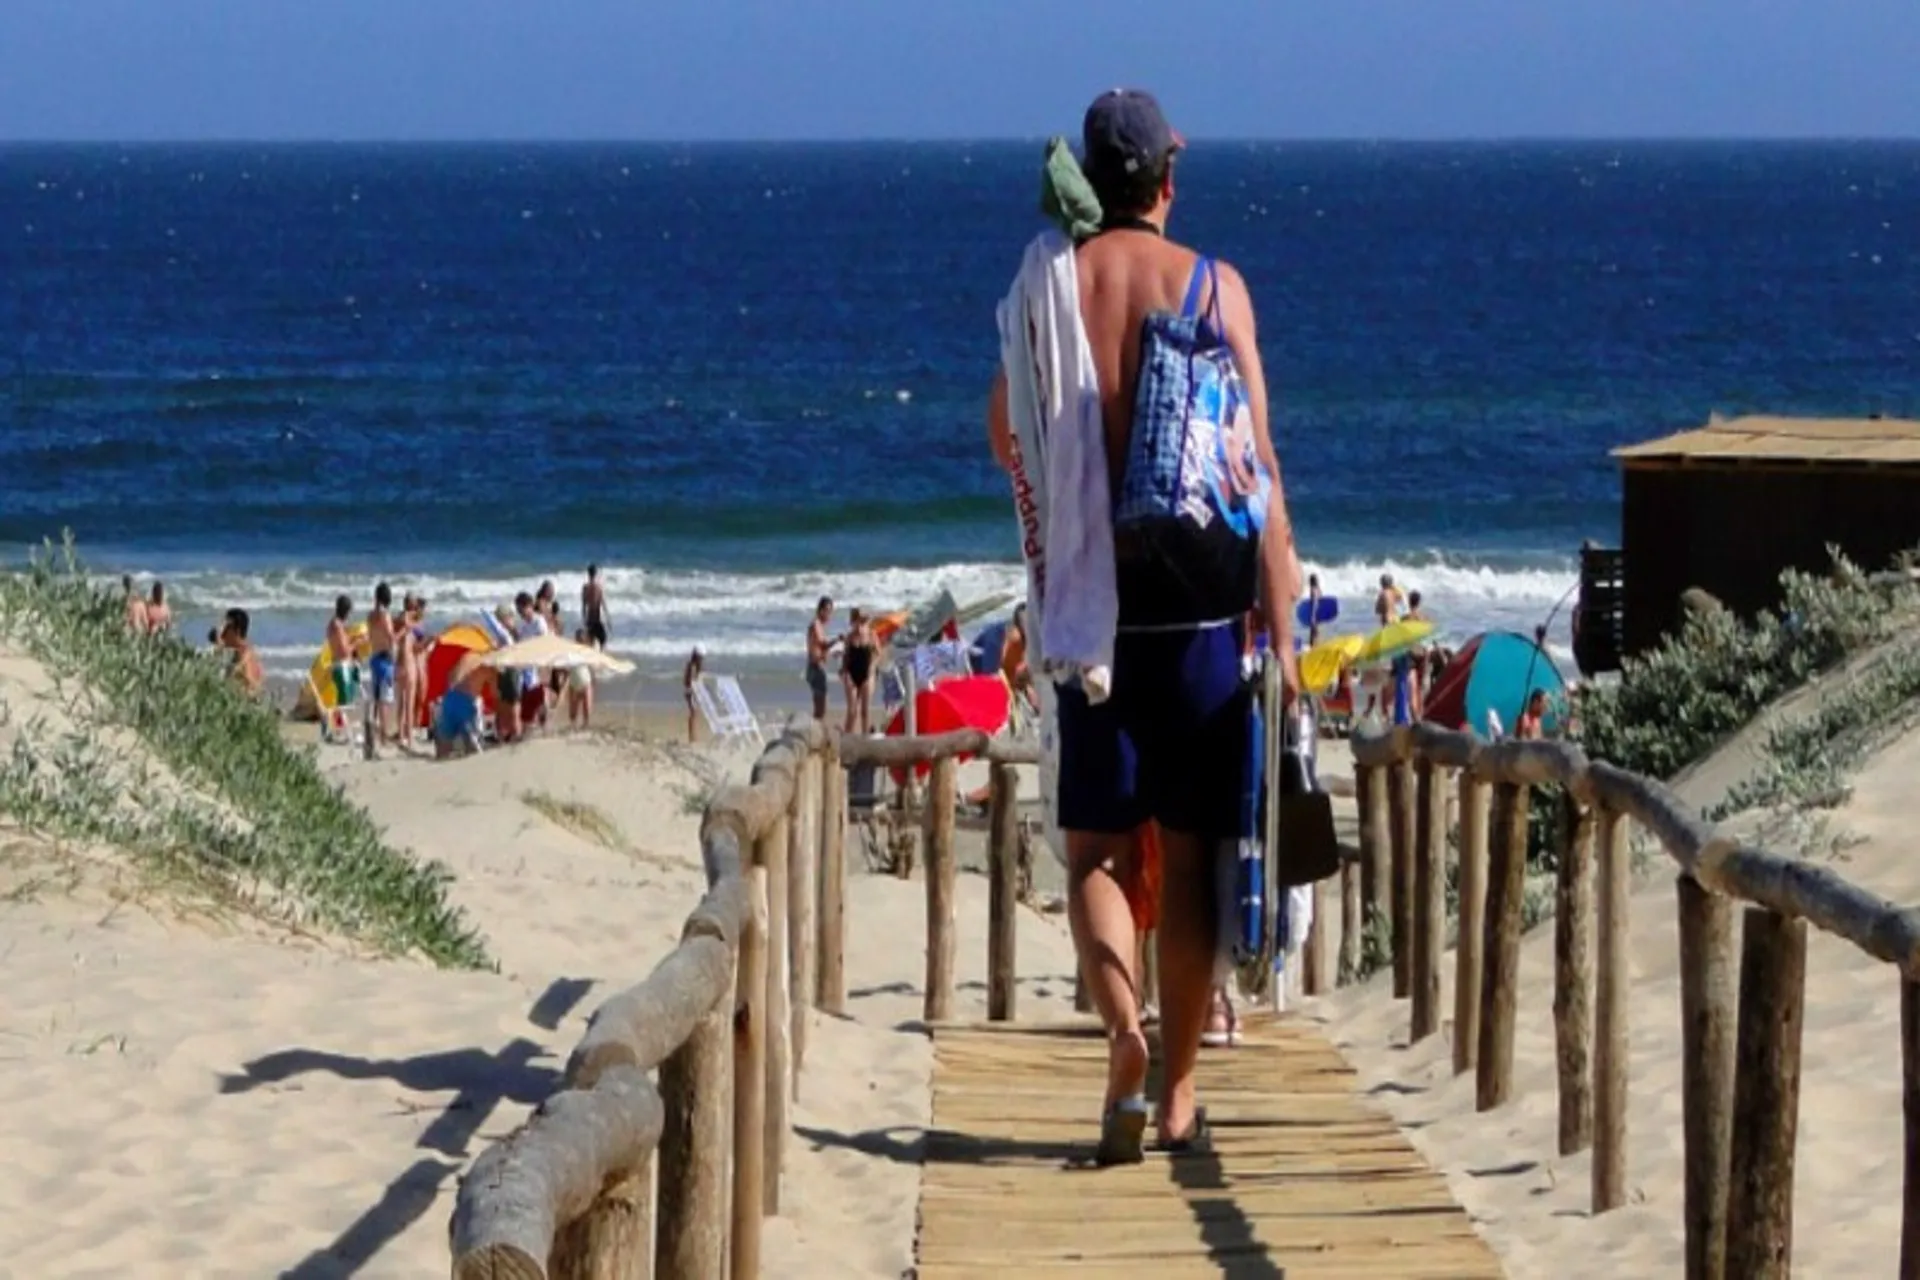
1169	746
380	661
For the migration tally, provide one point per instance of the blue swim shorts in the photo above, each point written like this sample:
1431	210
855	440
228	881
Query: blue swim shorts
1170	745
380	668
459	716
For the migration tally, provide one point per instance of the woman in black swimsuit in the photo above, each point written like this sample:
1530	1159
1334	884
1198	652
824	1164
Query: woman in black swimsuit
856	673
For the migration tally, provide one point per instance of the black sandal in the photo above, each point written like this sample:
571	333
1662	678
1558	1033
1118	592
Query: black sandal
1123	1132
1197	1142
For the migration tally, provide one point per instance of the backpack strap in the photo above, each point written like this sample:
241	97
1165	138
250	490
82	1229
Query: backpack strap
1202	272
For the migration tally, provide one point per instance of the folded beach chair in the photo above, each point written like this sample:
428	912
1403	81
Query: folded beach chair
724	707
739	715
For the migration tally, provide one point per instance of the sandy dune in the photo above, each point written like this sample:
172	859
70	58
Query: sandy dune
1533	1206
181	1098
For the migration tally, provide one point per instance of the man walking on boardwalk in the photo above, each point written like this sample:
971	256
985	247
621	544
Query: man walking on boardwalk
1170	744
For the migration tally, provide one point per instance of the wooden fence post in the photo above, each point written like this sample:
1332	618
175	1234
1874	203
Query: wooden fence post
1351	914
1429	897
692	1243
1400	837
1610	1016
1766	1102
1573	975
1003	889
832	958
1506	891
1470	933
1376	858
611	1238
941	909
1910	1107
749	1086
1316	968
803	884
1706	1072
770	852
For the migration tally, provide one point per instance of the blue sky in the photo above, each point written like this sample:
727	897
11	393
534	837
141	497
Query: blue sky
767	69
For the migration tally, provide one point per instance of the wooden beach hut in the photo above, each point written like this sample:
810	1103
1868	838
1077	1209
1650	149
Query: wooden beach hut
1728	506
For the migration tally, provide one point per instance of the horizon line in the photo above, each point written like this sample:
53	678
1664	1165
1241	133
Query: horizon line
1624	139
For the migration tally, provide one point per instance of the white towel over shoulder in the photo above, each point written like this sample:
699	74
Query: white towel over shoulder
1060	484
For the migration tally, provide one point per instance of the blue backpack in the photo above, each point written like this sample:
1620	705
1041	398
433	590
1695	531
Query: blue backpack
1193	495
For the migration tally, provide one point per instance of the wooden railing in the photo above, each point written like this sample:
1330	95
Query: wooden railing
722	1021
1741	1071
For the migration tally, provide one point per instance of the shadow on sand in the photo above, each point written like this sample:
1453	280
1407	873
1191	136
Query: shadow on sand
480	1082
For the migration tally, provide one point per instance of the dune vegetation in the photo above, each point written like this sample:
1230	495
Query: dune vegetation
142	745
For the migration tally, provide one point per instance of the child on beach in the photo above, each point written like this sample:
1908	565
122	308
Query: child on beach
688	679
580	689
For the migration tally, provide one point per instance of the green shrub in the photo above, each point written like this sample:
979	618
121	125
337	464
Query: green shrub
1676	703
264	814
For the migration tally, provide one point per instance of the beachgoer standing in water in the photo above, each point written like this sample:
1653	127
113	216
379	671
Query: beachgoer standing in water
593	608
818	649
1313	610
134	606
380	664
1170	745
159	616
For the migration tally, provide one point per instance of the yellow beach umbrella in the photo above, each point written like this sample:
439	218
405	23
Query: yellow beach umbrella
1320	665
1392	640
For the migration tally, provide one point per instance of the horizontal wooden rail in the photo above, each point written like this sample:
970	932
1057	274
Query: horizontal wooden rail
1786	886
723	1019
569	1194
928	748
1739	1165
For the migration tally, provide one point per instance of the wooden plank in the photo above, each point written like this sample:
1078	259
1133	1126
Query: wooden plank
1305	1175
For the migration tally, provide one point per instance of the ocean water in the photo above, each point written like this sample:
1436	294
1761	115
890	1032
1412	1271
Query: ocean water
741	377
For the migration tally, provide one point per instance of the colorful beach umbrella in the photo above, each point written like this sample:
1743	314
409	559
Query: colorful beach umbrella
1494	672
1392	640
1320	665
451	648
964	702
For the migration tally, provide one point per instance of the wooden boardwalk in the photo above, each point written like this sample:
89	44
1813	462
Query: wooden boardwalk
1306	1178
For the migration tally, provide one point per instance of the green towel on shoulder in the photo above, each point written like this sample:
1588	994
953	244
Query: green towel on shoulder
1066	197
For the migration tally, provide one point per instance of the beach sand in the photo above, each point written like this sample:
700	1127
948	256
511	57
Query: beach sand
195	1095
1533	1206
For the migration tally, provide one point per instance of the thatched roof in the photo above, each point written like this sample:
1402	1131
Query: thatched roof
1882	441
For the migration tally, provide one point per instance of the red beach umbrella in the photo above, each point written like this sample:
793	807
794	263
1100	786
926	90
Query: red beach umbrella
964	702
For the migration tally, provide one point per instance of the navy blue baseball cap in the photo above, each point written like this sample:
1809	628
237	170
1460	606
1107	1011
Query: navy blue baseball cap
1126	131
